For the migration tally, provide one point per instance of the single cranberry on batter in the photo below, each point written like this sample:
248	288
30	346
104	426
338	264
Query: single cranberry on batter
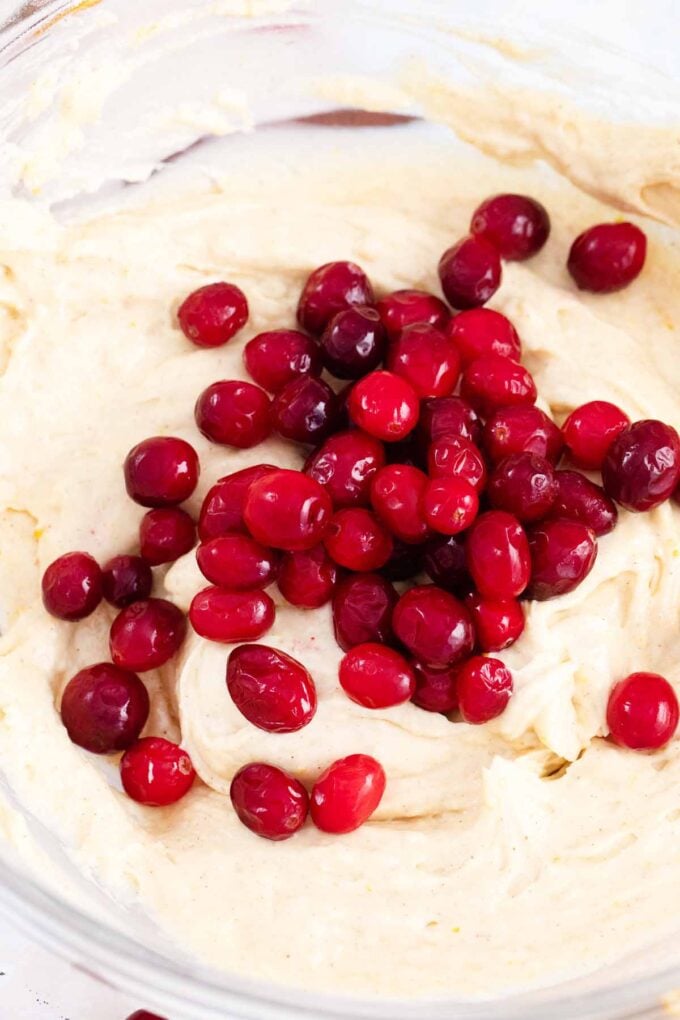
347	793
268	801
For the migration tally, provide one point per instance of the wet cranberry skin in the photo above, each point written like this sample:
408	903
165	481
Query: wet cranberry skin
453	457
579	499
287	510
231	616
146	634
72	586
642	466
156	772
590	430
353	343
347	793
435	689
450	505
104	708
498	623
442	417
497	554
376	676
234	413
279	356
403	308
305	410
521	429
345	466
427	359
482	331
492	382
524	485
165	535
397	492
330	289
126	579
445	563
484	688
271	689
470	272
307	579
222	510
607	257
433	625
268	801
384	405
357	540
642	712
362	610
563	553
518	226
212	315
237	562
161	471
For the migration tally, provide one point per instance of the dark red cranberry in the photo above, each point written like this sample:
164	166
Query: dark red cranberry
470	272
345	466
353	343
384	405
126	579
563	553
450	505
357	540
287	510
269	801
427	359
492	382
498	555
376	676
143	1014
211	315
521	429
524	485
498	623
222	510
590	430
396	496
278	356
642	466
607	257
453	457
405	561
165	535
104	708
445	563
330	289
305	410
156	772
307	578
448	416
362	610
434	626
72	586
231	616
161	471
237	562
234	413
347	793
484	687
403	308
146	634
480	332
518	226
435	688
271	689
642	712
579	499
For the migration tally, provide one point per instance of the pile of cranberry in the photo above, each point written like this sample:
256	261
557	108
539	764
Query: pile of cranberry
433	460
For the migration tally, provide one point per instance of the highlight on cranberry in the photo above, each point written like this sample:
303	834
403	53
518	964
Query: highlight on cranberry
156	772
498	557
212	315
642	466
270	688
453	457
269	802
642	712
590	430
384	405
161	471
306	410
345	464
607	257
347	793
484	686
72	586
516	225
287	510
470	272
279	356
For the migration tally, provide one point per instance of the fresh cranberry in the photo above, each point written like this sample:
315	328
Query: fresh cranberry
234	413
427	358
404	563
642	466
498	555
470	272
563	553
362	610
305	410
278	356
271	689
480	332
269	801
445	563
165	535
376	676
590	430
435	688
287	510
607	257
307	578
396	496
493	381
498	623
642	712
146	634
357	540
579	499
484	687
518	226
403	308
448	416
347	793
231	616
330	289
161	471
211	315
222	510
126	579
345	466
434	626
143	1014
524	485
237	562
104	708
72	586
156	772
384	405
453	457
353	343
521	429
450	505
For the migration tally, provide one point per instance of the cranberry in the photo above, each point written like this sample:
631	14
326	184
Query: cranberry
305	410
347	793
524	485
287	510
445	563
231	616
480	332
642	712
104	708
161	471
126	579
165	535
607	257
222	510
362	610
484	688
307	578
330	289
498	623
271	689
405	561
492	382
278	356
353	343
498	555
590	430
376	676
521	429
234	413
449	505
72	586
435	688
453	457
143	1014
518	226
269	801
357	540
563	553
345	466
434	626
470	272
396	496
384	405
403	308
427	358
642	466
156	772
237	562
579	499
146	634
211	315
448	416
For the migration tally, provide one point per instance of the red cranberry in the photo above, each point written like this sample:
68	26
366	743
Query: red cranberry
353	343
498	623
403	308
498	555
607	257
143	1014
524	485
161	471
484	688
453	457
222	510
357	540
269	801
165	535
396	496
146	634
445	563
376	676
642	712
345	466
521	429
234	413
211	315
126	579
642	466
563	553
237	562
330	289
305	410
450	505
427	358
104	708
231	616
362	610
271	689
435	688
278	356
72	586
518	226
470	272
156	772
287	510
404	563
307	578
579	499
347	793
590	430
384	405
480	332
448	416
434	626
492	382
